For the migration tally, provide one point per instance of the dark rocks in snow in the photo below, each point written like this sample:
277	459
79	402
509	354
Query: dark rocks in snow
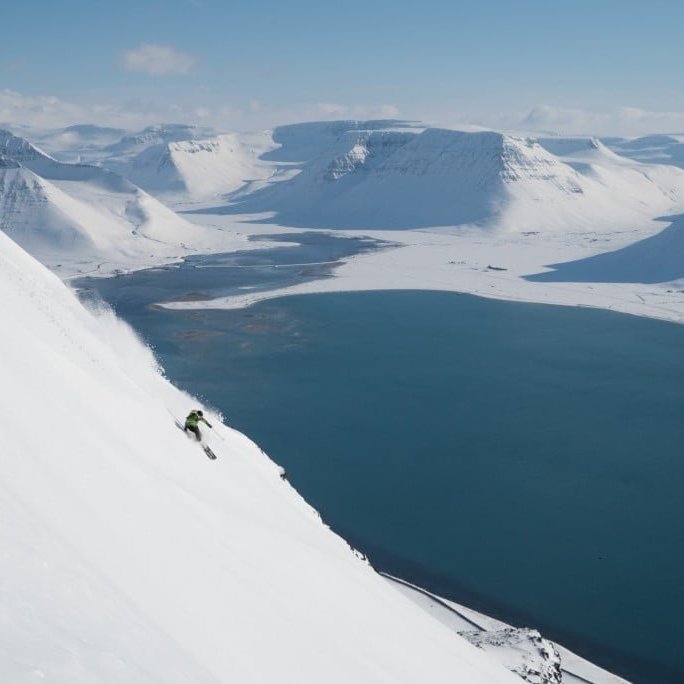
523	651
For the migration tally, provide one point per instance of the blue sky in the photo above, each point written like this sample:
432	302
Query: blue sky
260	62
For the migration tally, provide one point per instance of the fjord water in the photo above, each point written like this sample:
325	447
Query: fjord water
522	459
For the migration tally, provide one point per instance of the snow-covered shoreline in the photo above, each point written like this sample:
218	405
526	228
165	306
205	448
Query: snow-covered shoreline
570	666
487	265
515	206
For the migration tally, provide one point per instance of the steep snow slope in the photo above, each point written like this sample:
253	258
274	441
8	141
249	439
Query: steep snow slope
79	215
48	222
405	178
130	557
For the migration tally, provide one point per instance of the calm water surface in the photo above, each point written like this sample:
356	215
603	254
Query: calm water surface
523	459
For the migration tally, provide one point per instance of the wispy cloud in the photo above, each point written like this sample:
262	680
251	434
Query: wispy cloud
207	109
49	111
341	111
625	121
158	60
36	110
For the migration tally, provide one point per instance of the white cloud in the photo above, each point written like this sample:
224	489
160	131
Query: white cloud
36	110
341	111
157	60
625	121
208	109
49	111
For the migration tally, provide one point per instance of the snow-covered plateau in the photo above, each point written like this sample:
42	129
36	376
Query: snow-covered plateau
127	555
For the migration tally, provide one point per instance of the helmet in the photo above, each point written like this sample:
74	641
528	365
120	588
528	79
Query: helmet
199	413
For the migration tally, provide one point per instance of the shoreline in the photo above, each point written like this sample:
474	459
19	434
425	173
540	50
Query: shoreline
493	267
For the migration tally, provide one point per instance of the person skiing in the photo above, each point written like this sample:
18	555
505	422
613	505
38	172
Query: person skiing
192	423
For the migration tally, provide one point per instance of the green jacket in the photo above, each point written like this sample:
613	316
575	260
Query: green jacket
194	418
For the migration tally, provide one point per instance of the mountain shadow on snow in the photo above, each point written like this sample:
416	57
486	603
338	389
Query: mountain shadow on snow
656	259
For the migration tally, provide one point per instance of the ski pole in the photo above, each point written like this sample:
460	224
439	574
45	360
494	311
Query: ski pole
220	436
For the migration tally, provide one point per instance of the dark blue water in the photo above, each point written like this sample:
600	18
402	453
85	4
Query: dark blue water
523	459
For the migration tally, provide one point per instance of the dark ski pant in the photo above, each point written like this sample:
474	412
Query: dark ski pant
195	430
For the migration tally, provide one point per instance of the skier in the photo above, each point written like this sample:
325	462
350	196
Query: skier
192	423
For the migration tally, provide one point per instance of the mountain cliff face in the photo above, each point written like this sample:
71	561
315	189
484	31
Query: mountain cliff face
133	143
402	177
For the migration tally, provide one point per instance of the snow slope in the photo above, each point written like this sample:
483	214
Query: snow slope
655	259
197	169
521	648
128	556
406	178
651	149
79	215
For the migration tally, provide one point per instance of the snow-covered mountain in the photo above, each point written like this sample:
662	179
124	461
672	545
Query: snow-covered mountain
193	168
196	169
80	142
134	143
393	174
128	556
400	177
73	214
651	149
178	162
90	143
